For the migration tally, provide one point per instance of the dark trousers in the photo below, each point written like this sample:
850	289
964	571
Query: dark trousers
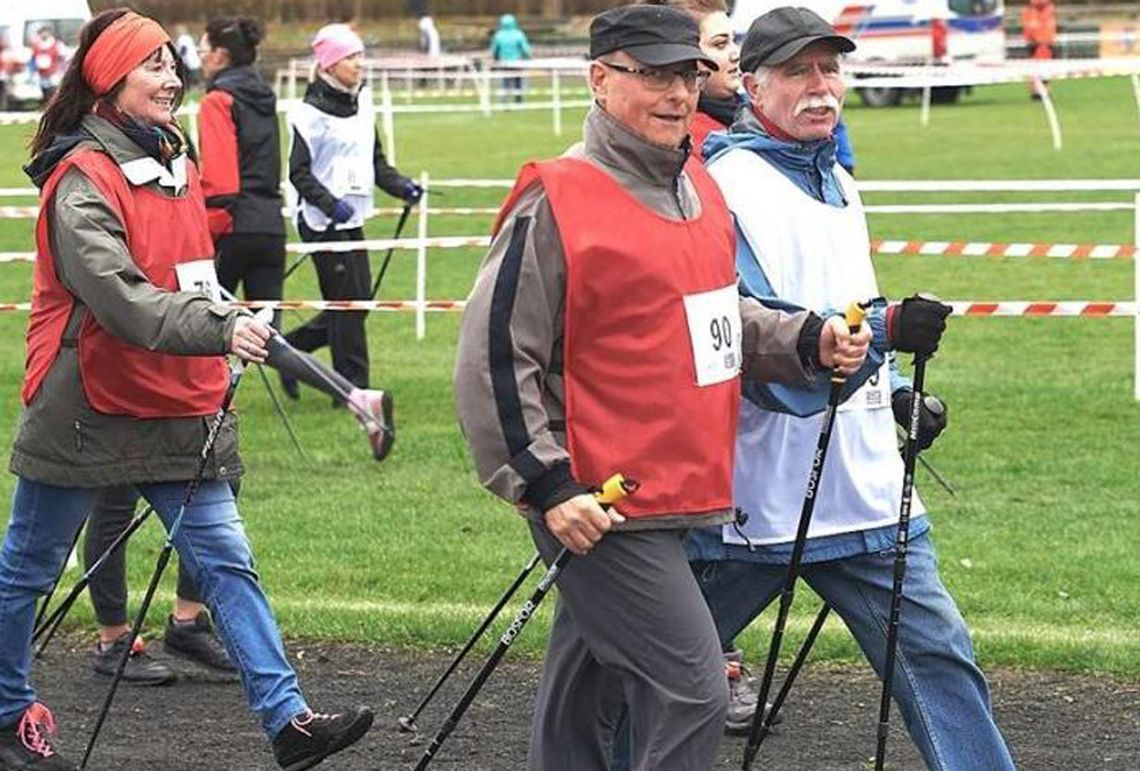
342	276
255	260
113	511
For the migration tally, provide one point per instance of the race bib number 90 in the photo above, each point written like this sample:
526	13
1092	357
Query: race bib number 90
714	331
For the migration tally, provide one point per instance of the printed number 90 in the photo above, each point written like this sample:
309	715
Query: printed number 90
721	330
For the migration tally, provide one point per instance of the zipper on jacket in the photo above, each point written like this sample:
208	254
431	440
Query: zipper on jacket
78	436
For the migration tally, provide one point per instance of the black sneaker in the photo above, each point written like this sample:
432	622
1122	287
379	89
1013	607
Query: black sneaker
141	668
26	746
309	739
195	640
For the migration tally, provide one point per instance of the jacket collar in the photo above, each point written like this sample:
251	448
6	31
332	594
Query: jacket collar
611	144
138	167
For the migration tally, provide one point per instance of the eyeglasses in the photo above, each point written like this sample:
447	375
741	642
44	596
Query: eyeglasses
661	80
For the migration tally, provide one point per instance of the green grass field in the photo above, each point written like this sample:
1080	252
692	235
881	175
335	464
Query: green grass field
1039	546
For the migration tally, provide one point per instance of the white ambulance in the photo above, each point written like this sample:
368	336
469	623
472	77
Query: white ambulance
20	22
902	32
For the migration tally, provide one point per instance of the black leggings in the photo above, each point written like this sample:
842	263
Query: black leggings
342	276
113	511
256	260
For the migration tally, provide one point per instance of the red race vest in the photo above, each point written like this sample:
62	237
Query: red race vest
119	378
632	401
703	124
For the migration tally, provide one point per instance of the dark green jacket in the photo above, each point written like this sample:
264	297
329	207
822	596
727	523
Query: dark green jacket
60	439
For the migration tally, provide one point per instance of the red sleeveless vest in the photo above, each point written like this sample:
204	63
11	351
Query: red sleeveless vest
703	124
119	378
632	401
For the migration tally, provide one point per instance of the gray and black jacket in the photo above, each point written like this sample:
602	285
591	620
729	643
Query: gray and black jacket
516	307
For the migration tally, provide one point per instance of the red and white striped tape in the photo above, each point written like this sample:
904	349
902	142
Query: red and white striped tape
1005	308
988	249
878	246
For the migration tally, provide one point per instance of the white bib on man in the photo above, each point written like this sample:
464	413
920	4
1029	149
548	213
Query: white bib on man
816	256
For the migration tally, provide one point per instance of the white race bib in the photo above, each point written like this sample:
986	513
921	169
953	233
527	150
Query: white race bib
349	179
715	334
872	395
199	276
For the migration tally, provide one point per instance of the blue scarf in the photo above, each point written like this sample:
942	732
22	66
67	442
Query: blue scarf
809	165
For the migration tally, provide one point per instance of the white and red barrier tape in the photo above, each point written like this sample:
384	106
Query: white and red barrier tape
1006	308
878	246
987	249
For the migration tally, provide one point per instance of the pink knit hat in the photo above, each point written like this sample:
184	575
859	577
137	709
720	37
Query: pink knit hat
335	42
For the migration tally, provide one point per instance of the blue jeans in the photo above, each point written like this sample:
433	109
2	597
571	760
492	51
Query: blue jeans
939	690
211	545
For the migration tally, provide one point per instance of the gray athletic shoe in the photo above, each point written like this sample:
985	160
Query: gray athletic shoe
141	668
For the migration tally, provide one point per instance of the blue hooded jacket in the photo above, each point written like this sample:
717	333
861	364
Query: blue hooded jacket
509	43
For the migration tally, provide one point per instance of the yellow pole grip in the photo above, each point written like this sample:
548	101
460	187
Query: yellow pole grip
615	488
854	316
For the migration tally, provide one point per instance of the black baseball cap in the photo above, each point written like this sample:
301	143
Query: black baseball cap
656	35
782	33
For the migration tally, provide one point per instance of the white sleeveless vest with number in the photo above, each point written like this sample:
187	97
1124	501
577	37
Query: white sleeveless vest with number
341	154
816	256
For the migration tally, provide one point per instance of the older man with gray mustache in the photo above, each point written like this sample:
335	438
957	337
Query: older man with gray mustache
802	242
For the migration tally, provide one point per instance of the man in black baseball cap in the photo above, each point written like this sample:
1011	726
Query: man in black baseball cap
803	240
584	350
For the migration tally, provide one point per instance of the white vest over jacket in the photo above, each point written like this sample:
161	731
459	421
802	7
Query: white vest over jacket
816	256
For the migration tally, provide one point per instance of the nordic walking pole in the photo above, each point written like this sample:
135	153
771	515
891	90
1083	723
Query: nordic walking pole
281	413
388	257
51	625
55	584
408	723
164	555
771	715
901	540
614	489
854	316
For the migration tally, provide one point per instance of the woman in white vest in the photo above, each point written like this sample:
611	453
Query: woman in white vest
335	159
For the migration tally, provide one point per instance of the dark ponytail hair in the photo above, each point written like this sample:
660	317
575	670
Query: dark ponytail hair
240	35
74	98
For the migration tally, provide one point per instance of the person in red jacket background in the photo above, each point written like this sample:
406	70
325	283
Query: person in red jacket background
1039	27
238	140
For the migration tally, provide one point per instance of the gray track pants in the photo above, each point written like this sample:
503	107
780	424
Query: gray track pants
632	628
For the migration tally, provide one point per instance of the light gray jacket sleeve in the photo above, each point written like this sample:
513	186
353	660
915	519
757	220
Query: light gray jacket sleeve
508	373
771	345
89	244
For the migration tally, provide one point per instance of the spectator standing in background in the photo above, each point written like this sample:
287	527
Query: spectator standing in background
509	44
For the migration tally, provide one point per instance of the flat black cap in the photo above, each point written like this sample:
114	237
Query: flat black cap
782	33
655	35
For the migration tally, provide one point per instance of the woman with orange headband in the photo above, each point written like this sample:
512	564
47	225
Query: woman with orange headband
124	372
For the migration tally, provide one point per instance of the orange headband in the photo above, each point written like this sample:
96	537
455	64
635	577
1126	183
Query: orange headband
124	45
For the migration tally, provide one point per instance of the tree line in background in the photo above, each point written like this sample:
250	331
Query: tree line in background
321	11
169	11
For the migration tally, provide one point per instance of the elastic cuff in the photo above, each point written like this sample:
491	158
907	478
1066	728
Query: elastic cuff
552	488
808	344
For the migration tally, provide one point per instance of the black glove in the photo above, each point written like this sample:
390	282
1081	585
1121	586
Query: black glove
916	324
932	417
412	192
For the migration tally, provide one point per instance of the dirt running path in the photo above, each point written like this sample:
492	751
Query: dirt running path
1053	722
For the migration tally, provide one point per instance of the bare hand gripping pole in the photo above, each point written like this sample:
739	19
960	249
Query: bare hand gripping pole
760	726
614	489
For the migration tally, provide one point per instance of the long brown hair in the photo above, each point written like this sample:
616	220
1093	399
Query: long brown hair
74	98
